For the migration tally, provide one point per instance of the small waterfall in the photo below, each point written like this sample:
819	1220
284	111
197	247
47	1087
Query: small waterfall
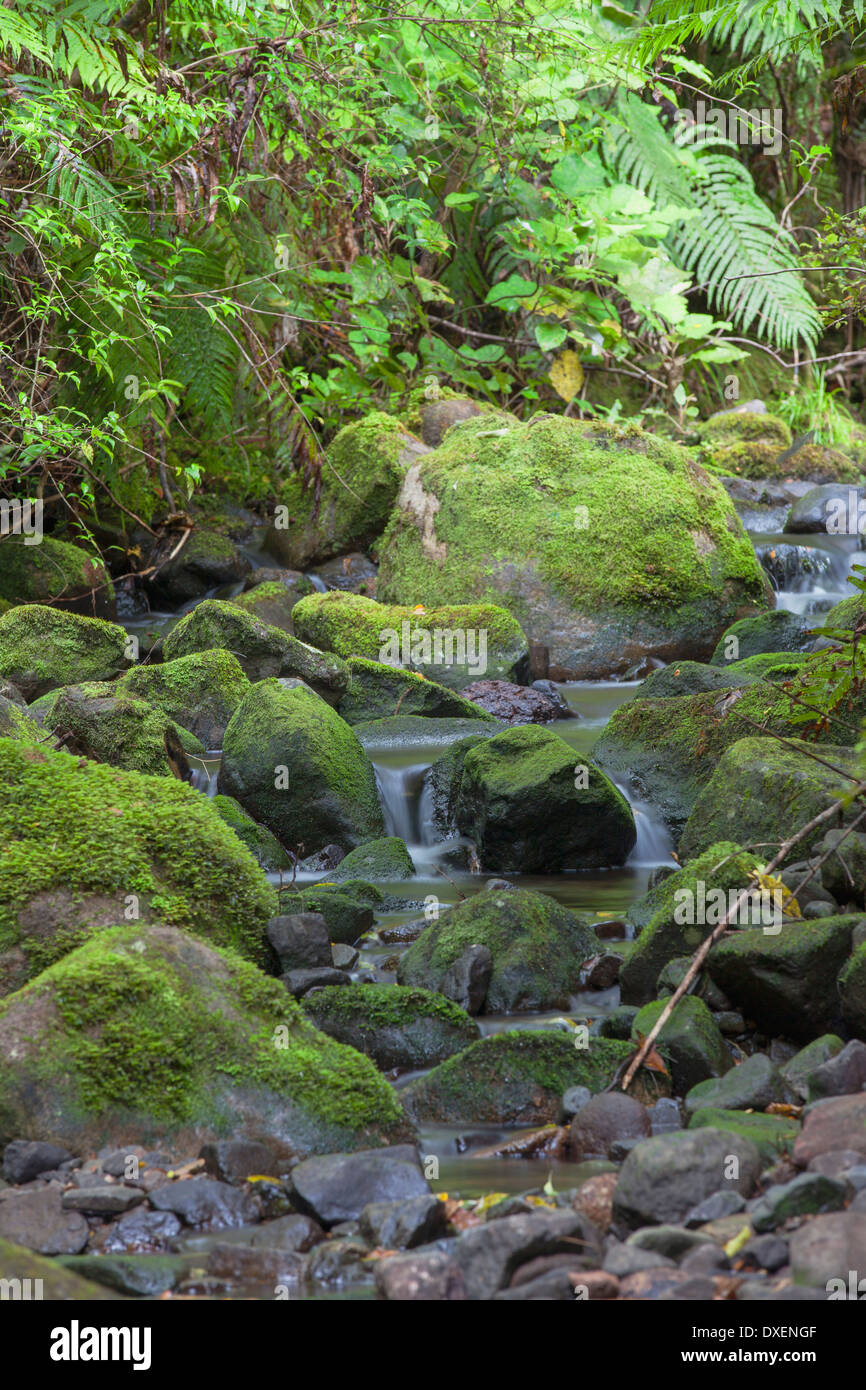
653	844
204	774
400	795
810	573
317	582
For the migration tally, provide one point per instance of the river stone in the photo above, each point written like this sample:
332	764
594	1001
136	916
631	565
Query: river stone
300	981
809	1194
42	648
235	1160
25	1159
842	1075
338	1186
538	948
300	939
836	1123
753	1085
137	1276
776	631
375	861
798	1072
115	1016
125	732
511	1078
429	1275
38	1220
200	692
108	1199
522	801
348	908
492	514
664	1177
604	1120
206	1204
690	1041
299	769
403	1224
514	704
261	650
467	979
396	1027
488	1255
829	1248
451	645
377	691
786	982
772	1135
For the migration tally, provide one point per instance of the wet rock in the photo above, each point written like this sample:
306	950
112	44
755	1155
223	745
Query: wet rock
300	940
602	972
300	982
37	1220
467	979
830	1248
489	1255
594	1199
432	1276
378	691
140	1231
664	1177
337	1263
828	1125
56	1284
665	1116
537	946
348	908
344	957
514	704
25	1159
246	1264
235	1160
575	1098
105	1200
293	1232
754	1084
337	1187
375	861
206	1203
396	1026
134	1275
829	508
403	1224
602	1121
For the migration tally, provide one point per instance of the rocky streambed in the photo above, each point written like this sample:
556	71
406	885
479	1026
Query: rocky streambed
320	976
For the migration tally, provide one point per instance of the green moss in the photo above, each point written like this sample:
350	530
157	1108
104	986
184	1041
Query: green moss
262	844
77	838
852	991
377	691
493	512
53	572
144	1027
348	908
56	1283
773	1135
745	426
41	648
749	445
200	691
516	1077
776	631
273	601
127	733
689	1041
352	625
397	1027
375	861
18	723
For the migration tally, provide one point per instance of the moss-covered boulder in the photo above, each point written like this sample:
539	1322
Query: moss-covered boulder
762	790
451	645
200	691
690	1041
273	601
262	650
444	781
261	842
18	722
377	691
745	444
360	479
683	910
537	948
83	846
31	1276
852	991
786	982
695	677
396	1027
298	768
377	861
529	805
41	648
670	748
348	908
775	631
512	1078
606	544
752	1085
120	730
209	557
147	1034
772	1135
55	573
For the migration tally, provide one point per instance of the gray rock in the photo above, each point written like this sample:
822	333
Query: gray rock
575	1098
404	1224
467	980
830	503
488	1255
36	1219
298	982
842	1075
623	1260
722	1203
431	1276
205	1203
300	940
829	1247
605	1119
337	1187
664	1177
671	1241
753	1085
235	1160
806	1195
108	1199
25	1159
799	1071
765	1252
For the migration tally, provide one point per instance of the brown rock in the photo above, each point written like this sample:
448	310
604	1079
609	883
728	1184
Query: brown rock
839	1123
594	1199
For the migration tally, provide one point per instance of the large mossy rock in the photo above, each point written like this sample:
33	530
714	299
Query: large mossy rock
120	730
852	991
377	691
348	908
299	769
262	650
762	790
18	723
261	842
606	544
41	648
396	1027
695	677
776	631
669	748
452	645
537	948
273	601
200	692
361	477
748	445
83	845
208	558
786	982
674	905
376	861
147	1034
523	801
512	1078
690	1041
55	573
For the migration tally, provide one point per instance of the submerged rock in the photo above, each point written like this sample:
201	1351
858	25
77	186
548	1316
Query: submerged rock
146	1033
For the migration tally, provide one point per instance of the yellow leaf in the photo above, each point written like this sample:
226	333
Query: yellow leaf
735	1245
566	375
